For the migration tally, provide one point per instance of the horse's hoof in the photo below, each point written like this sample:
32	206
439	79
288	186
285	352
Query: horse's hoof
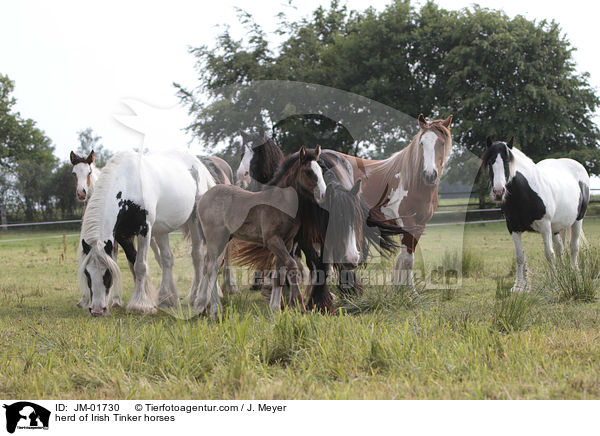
81	304
144	310
117	303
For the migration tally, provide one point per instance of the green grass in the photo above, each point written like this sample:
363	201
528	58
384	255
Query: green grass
465	339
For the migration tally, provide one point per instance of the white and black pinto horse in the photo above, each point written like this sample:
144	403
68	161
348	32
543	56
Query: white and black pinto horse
141	196
549	197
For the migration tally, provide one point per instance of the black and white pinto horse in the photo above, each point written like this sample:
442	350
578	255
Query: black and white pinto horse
549	197
141	196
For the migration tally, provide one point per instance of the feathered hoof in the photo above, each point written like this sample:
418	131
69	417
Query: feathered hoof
141	308
117	302
82	303
323	305
168	302
518	289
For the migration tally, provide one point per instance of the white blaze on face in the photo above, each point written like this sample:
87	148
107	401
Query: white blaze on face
81	172
321	187
243	172
428	141
100	297
499	181
352	253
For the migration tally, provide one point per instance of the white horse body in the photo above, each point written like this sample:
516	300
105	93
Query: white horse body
145	196
549	197
558	193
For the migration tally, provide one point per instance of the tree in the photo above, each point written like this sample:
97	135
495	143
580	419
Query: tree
89	141
26	157
498	76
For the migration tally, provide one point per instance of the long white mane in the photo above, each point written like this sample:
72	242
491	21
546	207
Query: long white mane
91	228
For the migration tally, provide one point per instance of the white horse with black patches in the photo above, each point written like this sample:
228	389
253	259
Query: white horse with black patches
141	196
549	197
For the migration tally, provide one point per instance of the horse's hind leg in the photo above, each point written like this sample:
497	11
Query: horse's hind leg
546	232
167	293
143	299
207	292
229	283
286	268
157	251
557	242
574	243
198	247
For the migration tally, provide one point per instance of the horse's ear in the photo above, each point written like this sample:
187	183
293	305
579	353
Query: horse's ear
422	121
91	158
73	157
488	141
302	153
511	142
86	247
447	121
108	247
317	152
356	188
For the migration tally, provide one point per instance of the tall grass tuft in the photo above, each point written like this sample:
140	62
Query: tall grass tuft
512	310
566	282
470	264
384	298
289	336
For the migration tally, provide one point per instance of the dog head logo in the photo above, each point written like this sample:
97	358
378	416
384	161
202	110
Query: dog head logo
26	415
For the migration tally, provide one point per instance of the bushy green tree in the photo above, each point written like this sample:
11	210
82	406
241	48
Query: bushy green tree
89	141
497	75
26	157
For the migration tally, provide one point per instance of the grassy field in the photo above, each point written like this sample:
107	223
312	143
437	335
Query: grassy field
468	341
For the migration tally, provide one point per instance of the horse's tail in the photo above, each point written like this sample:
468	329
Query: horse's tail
380	231
251	254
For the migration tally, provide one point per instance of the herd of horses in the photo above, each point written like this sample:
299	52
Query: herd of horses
333	209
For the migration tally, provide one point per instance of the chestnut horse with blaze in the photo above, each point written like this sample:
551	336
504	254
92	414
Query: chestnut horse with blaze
405	186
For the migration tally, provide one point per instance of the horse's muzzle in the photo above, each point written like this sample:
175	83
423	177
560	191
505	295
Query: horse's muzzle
101	312
430	177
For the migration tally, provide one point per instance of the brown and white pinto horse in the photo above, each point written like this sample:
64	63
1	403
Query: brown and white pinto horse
405	186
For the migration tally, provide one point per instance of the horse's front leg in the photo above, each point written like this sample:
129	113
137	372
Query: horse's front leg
167	293
143	299
520	279
403	274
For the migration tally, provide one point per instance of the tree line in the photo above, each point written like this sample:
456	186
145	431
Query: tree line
497	75
34	183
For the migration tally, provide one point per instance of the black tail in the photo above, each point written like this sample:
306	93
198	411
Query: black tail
584	200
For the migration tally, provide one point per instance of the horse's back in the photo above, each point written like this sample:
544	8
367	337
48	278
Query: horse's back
568	182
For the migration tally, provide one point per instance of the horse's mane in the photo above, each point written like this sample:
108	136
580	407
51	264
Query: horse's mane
93	219
284	170
266	160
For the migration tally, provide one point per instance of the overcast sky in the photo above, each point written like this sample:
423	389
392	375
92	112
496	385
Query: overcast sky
77	64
